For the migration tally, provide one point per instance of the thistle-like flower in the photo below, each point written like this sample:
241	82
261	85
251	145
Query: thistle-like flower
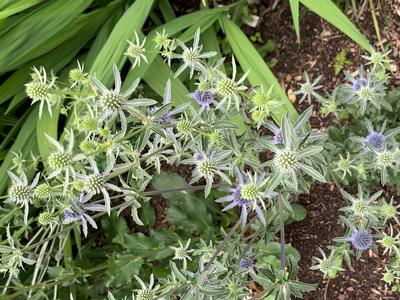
383	161
161	40
96	182
42	191
208	165
389	211
325	264
389	276
308	89
136	51
114	102
364	91
61	160
78	75
46	218
390	242
39	89
78	212
344	165
330	103
248	193
21	192
361	239
192	56
287	162
361	207
376	139
204	99
378	59
228	89
148	292
12	258
182	252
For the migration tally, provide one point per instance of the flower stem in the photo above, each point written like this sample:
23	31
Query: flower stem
282	234
222	245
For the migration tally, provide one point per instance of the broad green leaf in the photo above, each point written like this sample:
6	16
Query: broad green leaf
166	10
294	8
24	144
156	77
16	7
57	58
40	26
186	211
330	12
260	74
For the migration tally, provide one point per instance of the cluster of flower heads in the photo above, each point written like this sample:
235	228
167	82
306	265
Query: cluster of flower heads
116	138
371	222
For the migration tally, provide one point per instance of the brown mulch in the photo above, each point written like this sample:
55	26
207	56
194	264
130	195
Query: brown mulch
360	281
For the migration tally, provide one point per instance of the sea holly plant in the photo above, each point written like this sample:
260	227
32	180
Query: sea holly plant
109	163
365	154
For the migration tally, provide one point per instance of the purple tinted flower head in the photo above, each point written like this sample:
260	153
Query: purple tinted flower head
358	83
361	240
246	263
238	200
73	215
278	137
78	212
164	119
203	98
375	139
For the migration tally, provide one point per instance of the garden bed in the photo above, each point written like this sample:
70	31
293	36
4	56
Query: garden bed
320	43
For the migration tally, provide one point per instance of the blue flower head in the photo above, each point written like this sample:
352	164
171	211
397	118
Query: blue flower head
376	140
358	83
361	240
246	263
237	197
278	137
203	98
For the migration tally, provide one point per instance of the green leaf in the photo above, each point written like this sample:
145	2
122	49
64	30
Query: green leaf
166	181
312	172
122	272
47	125
299	212
113	225
156	77
166	10
260	74
147	214
330	12
16	7
186	211
24	144
39	27
294	8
